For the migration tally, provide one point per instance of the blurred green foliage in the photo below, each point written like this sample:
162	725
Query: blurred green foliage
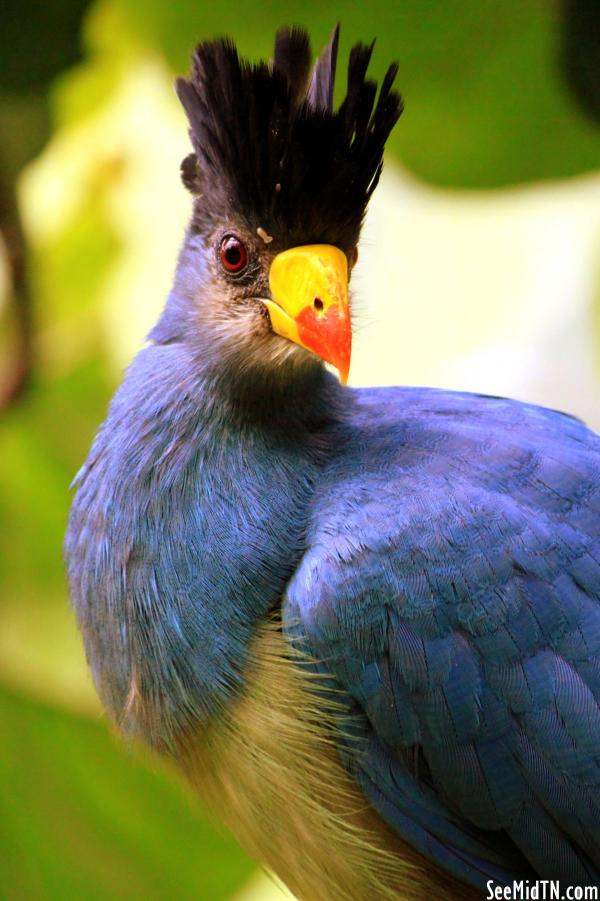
82	820
487	106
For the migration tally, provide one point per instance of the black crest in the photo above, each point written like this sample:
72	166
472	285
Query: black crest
269	146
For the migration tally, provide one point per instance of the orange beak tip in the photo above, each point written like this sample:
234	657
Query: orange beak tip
328	336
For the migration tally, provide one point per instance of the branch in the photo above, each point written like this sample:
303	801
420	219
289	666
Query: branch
19	303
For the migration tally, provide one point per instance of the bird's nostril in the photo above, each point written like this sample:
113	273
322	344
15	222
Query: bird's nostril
318	303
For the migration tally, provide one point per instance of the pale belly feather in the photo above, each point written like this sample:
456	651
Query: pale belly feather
271	772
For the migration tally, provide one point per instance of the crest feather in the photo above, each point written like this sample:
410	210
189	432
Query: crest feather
292	59
320	93
269	146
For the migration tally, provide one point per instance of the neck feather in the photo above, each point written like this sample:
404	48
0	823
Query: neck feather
188	522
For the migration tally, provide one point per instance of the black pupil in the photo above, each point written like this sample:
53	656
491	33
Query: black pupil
233	254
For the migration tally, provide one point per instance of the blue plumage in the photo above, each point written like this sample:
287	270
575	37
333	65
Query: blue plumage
175	517
266	565
452	584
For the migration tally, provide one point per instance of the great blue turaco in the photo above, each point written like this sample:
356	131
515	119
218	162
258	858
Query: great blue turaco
364	622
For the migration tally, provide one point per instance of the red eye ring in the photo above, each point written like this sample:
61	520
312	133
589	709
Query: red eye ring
233	254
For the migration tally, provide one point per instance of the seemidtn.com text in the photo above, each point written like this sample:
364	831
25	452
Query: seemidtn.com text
541	890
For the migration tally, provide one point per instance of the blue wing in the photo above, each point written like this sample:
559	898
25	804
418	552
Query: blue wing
452	586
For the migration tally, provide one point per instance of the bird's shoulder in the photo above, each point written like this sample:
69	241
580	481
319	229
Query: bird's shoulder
476	485
448	512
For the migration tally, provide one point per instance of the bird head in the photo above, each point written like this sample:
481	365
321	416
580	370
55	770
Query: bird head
281	183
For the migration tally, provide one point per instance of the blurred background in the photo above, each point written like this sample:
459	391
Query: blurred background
479	270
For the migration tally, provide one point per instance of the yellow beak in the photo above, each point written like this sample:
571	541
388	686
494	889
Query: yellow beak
309	302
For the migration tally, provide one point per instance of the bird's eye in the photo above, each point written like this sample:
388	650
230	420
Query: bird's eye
233	254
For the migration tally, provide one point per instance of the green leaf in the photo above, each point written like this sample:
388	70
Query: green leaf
81	817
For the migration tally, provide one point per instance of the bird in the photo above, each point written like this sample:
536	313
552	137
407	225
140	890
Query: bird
363	622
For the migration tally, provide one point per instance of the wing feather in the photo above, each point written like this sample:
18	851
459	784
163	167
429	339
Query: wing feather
452	586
